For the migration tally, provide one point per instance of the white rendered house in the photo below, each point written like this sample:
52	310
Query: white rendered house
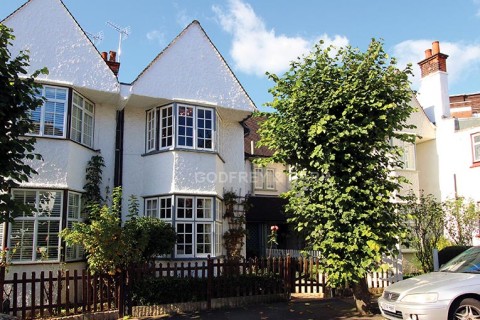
173	137
457	140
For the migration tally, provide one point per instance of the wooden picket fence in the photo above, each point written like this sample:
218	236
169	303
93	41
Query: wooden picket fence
64	293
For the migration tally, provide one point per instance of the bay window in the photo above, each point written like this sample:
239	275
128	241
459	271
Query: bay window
50	119
181	126
34	235
196	221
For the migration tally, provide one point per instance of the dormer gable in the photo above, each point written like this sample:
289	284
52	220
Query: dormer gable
55	40
191	68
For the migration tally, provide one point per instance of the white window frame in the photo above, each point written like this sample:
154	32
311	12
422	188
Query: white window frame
84	137
185	243
37	217
269	174
164	124
198	129
186	127
195	221
261	179
206	234
151	207
169	115
42	112
151	130
75	214
476	147
165	210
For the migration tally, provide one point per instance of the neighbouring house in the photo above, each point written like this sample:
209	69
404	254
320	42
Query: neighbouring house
266	183
170	137
444	161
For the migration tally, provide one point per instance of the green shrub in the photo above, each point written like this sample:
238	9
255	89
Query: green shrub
148	290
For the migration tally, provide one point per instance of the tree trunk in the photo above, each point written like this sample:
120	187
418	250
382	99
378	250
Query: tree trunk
362	297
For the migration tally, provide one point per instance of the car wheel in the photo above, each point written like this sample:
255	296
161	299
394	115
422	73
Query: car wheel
467	309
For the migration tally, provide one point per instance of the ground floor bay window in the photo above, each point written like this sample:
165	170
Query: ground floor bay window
197	221
33	236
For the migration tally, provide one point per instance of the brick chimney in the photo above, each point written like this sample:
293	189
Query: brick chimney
111	61
433	91
434	60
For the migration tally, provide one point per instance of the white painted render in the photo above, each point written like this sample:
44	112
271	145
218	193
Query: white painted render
62	47
427	166
191	69
180	171
433	96
460	160
63	166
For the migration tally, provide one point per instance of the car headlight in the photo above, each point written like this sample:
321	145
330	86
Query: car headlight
421	297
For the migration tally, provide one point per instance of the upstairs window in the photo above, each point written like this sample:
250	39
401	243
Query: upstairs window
408	154
264	178
82	120
476	147
182	126
49	118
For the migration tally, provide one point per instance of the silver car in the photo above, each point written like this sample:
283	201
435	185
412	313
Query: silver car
451	293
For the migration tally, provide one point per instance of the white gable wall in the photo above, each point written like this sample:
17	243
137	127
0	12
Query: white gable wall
55	41
192	69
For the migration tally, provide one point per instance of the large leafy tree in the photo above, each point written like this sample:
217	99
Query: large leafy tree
17	100
336	114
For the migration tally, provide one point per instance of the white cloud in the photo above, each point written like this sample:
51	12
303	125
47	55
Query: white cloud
463	59
156	36
255	49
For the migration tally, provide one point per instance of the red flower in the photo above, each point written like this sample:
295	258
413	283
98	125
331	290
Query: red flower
274	228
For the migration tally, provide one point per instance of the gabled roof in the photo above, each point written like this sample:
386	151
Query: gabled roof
191	68
252	137
55	40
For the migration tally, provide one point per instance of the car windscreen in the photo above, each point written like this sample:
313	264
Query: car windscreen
467	261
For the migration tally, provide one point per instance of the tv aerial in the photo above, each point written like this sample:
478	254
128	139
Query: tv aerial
96	38
123	33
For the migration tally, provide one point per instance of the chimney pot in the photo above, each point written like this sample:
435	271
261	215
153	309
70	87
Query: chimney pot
428	53
113	56
104	56
436	47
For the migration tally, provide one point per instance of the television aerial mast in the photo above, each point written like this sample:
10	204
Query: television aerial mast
96	38
123	33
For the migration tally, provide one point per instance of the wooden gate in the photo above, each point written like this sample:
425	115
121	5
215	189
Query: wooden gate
305	277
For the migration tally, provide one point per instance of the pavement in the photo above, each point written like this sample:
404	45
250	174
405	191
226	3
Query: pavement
298	308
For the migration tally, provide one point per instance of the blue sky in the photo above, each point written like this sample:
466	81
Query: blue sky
255	36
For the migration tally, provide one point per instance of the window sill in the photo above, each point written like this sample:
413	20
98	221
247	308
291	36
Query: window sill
184	150
475	164
64	139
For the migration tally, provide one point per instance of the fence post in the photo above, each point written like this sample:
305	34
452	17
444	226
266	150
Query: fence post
5	303
209	282
121	295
